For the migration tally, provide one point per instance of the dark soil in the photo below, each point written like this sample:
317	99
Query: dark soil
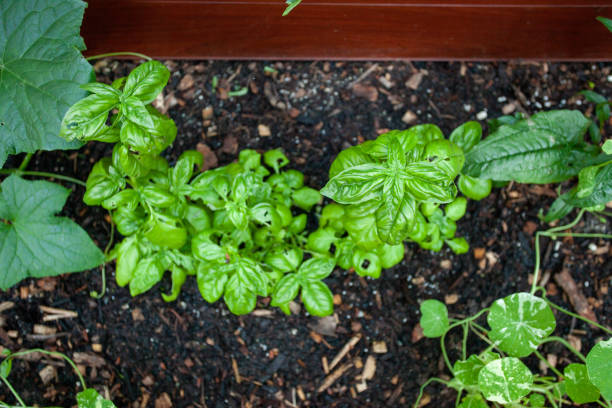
143	352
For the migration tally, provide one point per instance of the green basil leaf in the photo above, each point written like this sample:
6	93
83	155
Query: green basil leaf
275	159
106	135
599	367
165	234
505	381
251	274
135	137
519	323
87	117
90	398
34	241
317	298
578	386
135	111
456	209
238	297
293	178
298	224
366	263
126	198
316	269
434	318
204	248
356	184
146	81
130	163
263	213
41	68
128	221
600	191
363	231
183	170
306	197
101	184
285	260
473	187
394	219
179	275
467	135
458	245
351	157
607	146
390	255
198	218
148	272
321	240
101	89
332	215
547	148
285	290
127	260
211	281
249	159
157	196
283	212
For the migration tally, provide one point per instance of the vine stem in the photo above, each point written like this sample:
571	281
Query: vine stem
10	387
42	174
545	361
452	326
119	53
52	354
93	293
548	233
26	161
574	315
422	389
566	344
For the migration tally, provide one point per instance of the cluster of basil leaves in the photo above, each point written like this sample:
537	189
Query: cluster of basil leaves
391	190
518	325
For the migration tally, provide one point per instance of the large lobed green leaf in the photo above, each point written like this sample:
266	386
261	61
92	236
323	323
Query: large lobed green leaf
546	148
33	241
41	68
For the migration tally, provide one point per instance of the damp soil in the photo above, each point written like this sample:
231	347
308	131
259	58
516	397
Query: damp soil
143	352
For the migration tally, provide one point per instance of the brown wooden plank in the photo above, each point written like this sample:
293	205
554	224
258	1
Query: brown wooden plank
351	29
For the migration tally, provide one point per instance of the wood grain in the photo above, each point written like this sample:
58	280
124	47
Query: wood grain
351	29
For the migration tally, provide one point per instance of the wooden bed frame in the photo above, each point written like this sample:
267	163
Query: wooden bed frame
352	29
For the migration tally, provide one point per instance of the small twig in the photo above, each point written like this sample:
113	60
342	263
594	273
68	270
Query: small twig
363	76
333	377
347	347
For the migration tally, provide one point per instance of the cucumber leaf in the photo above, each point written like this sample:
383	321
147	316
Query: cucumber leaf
41	69
33	241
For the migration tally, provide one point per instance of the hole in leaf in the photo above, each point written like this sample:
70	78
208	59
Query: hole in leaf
332	249
365	264
242	245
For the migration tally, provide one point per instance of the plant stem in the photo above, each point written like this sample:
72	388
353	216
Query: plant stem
119	53
566	344
93	293
10	387
577	316
42	174
422	389
548	233
553	369
464	343
52	354
26	161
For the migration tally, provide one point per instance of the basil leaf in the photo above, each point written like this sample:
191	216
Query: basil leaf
306	197
394	219
285	290
251	274
390	255
101	184
203	247
87	117
317	298
146	81
285	260
275	159
346	159
316	269
238	296
157	196
366	263
599	191
211	281
467	135
126	198
128	221
363	231
179	275
165	234
147	273
135	111
473	187
321	240
356	184
127	260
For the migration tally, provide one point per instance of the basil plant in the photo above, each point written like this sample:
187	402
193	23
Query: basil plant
390	190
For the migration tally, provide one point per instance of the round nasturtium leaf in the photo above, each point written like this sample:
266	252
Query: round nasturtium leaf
536	400
578	386
505	380
434	318
466	371
519	323
599	367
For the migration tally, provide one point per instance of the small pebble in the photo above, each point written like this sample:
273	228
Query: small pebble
467	107
482	115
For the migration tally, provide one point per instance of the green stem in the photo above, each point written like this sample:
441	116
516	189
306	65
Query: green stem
26	161
548	233
119	53
433	379
452	326
52	354
10	387
566	344
93	293
577	316
582	235
553	369
42	174
464	343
